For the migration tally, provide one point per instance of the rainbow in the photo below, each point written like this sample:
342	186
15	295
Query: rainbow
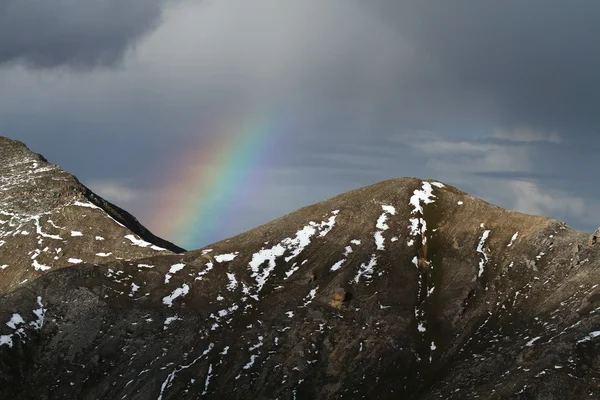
211	179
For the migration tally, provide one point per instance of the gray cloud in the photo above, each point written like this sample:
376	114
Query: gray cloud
75	33
499	99
536	61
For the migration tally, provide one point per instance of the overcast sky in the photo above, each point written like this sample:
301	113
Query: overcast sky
500	99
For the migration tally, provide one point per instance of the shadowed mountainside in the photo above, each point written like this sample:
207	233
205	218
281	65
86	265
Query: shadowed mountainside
403	289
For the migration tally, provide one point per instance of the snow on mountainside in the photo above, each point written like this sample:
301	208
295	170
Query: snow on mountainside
49	220
404	289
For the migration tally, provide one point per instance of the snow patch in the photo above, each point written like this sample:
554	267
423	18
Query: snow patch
383	226
424	196
170	320
295	267
207	381
512	240
6	340
40	313
296	245
225	312
366	269
207	268
481	249
38	229
418	225
173	270
310	297
221	258
86	204
389	209
179	292
589	337
347	251
40	267
381	221
233	283
15	320
337	265
134	288
142	243
379	240
532	341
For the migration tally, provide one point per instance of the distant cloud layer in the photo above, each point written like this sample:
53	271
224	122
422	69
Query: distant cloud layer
85	33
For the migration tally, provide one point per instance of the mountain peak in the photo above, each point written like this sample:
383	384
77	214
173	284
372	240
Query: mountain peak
48	219
14	151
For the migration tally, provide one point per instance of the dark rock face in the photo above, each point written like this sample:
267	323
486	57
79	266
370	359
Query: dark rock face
404	289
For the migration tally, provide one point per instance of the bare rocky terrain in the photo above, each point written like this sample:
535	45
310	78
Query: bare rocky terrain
407	289
48	220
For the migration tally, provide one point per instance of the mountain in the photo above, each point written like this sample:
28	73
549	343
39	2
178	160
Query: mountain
49	220
405	289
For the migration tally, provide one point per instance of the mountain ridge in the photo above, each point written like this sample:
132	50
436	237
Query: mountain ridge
407	288
38	200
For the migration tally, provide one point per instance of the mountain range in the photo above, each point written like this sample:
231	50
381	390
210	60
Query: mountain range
406	289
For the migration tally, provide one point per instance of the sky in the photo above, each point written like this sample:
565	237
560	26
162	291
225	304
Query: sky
207	118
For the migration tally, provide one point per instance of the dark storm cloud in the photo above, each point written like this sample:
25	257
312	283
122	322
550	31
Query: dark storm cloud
76	33
536	61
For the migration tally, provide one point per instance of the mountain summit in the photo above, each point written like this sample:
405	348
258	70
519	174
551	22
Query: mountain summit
405	289
48	220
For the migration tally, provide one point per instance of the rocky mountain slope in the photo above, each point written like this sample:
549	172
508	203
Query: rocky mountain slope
48	219
405	289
